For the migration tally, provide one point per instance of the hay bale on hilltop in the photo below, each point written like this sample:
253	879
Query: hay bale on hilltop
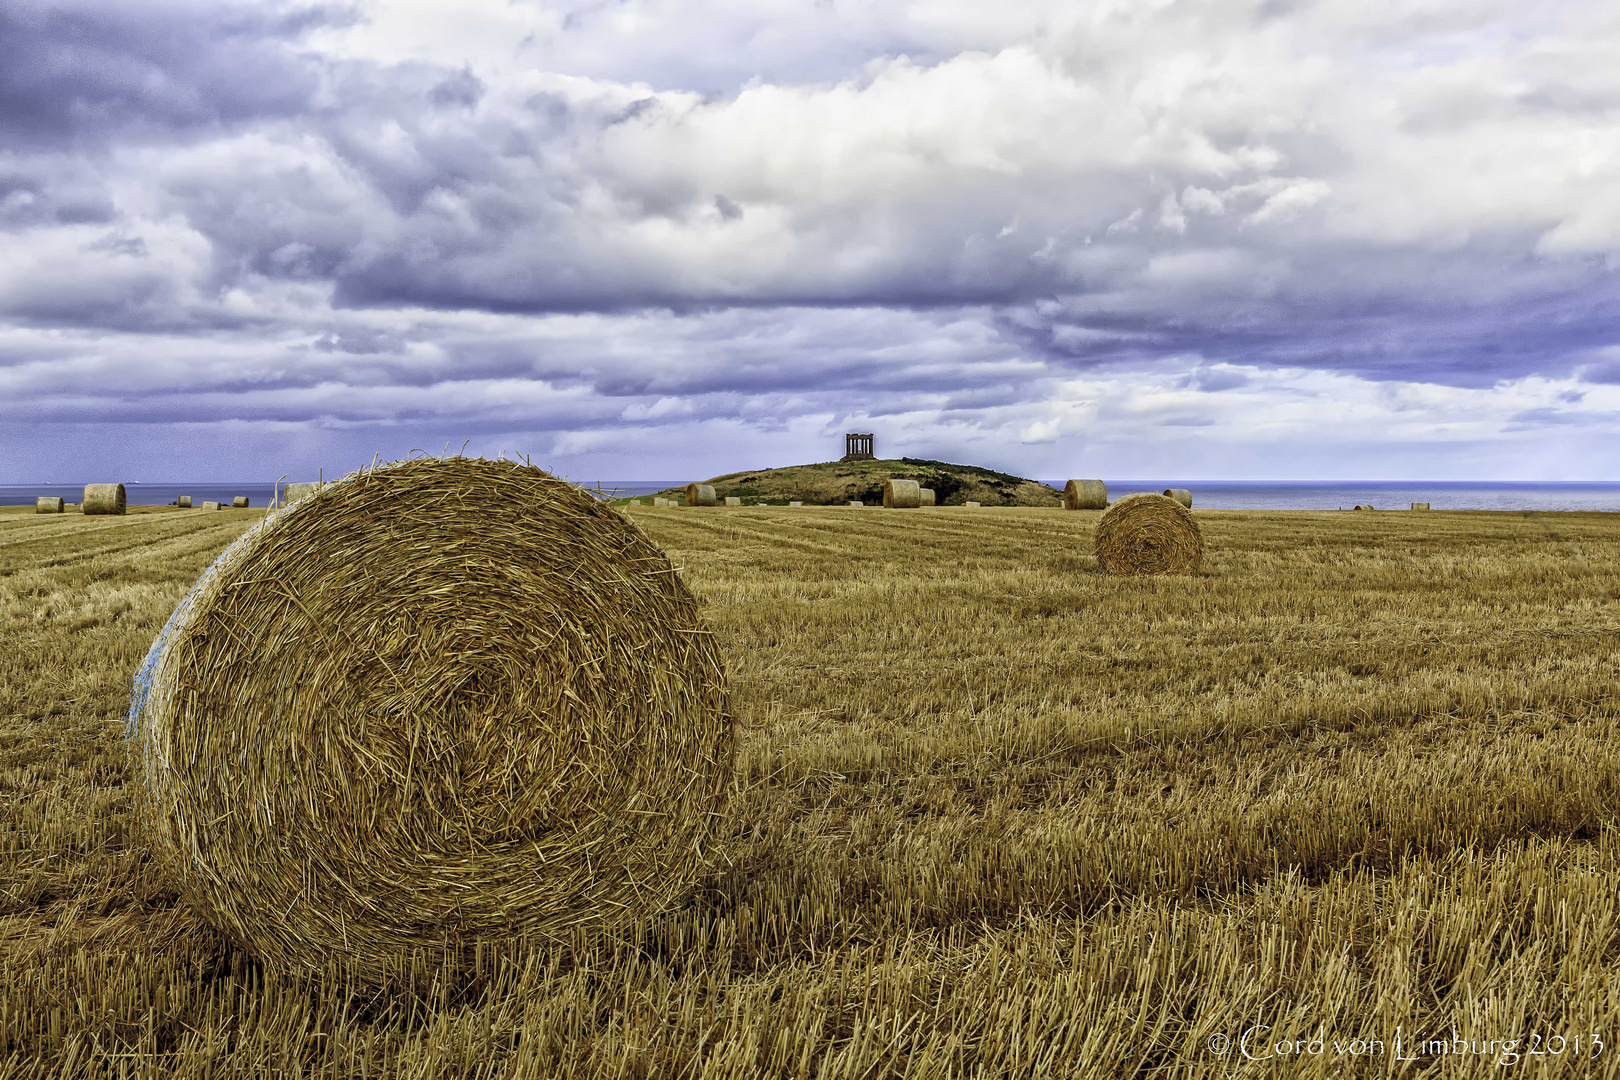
103	499
450	702
1420	506
1085	495
700	495
239	502
183	502
925	496
1148	534
1181	495
49	504
210	506
1360	506
901	494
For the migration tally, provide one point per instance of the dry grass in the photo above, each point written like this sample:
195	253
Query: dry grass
997	814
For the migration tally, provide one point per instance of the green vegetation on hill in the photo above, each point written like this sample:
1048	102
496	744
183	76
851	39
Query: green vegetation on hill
833	483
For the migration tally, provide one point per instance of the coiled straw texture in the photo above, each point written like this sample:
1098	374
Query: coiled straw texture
1148	534
448	702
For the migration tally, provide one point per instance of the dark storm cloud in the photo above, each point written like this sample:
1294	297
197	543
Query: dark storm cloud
75	72
661	213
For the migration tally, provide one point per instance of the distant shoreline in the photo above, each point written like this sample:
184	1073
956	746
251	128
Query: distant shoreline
1552	495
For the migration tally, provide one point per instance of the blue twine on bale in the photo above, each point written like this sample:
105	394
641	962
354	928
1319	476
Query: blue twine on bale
141	692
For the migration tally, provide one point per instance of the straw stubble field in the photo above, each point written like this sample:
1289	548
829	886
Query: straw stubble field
996	814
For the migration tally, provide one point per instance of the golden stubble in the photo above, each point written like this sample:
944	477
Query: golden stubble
996	813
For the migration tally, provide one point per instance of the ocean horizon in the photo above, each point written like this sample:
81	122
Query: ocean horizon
1600	495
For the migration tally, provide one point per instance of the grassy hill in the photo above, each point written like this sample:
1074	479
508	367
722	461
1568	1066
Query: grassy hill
833	483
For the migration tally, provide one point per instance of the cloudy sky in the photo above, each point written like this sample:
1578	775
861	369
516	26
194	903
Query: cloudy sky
647	239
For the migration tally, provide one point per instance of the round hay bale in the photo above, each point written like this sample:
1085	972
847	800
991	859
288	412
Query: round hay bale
1361	507
239	502
971	505
1085	495
183	502
103	499
210	506
700	495
856	502
1148	534
732	500
925	496
448	702
1181	495
901	494
1420	506
47	504
795	504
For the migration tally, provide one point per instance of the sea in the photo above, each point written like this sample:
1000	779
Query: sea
1211	494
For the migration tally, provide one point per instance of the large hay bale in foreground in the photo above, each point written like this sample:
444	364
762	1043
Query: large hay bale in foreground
49	504
103	499
901	494
1181	495
1148	534
700	495
1085	495
448	702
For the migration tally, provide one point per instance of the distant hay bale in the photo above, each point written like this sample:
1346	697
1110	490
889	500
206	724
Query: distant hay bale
1420	506
732	500
239	502
449	703
1148	534
103	499
925	496
971	505
700	495
210	506
183	502
795	504
856	502
901	494
1181	495
1361	507
47	504
1085	495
